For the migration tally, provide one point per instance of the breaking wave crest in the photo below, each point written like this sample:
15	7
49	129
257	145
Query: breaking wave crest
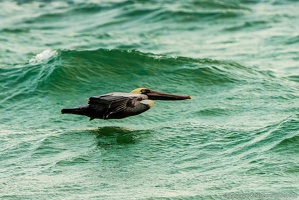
73	71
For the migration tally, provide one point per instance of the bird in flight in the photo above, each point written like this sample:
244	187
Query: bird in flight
118	105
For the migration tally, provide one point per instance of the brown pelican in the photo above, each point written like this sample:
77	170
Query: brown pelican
119	105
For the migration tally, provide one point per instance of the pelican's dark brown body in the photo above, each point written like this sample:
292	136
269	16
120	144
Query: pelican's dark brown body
119	105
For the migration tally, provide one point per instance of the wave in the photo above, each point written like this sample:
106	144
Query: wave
71	71
130	11
25	79
288	144
277	138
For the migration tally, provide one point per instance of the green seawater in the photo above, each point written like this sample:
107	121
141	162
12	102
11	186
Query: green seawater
237	138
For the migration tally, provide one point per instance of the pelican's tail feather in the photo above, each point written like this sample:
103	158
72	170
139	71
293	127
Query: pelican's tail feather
82	110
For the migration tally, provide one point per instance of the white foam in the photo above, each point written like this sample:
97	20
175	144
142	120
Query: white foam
43	56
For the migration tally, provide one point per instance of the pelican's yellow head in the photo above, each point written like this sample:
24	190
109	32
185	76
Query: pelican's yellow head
143	91
156	95
140	91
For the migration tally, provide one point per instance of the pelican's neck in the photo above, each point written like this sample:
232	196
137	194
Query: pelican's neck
148	102
136	91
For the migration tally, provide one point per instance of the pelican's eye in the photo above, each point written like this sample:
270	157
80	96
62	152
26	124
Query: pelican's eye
145	91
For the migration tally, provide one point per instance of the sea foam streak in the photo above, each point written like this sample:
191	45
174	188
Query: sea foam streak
43	56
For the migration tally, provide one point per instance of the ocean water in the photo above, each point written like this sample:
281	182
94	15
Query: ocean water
237	138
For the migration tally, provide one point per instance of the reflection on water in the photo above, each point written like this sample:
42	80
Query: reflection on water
115	135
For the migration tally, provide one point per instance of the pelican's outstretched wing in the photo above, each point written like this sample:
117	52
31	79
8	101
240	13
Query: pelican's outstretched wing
112	103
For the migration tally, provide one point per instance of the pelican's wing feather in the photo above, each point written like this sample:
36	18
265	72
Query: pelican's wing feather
114	102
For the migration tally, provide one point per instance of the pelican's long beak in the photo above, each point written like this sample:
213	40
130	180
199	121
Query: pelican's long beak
156	95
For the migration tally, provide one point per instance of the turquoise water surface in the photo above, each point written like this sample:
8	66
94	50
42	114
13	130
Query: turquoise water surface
237	138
